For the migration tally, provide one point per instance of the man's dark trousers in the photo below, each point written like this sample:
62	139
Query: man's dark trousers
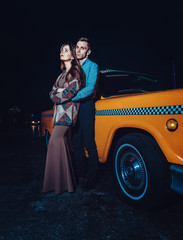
83	135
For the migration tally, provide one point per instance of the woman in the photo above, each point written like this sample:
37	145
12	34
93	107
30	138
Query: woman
59	175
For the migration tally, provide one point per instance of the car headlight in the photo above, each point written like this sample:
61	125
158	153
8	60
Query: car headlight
172	125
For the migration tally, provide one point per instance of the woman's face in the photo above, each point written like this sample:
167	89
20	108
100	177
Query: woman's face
65	54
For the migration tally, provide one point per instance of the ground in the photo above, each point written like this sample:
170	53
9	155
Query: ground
28	214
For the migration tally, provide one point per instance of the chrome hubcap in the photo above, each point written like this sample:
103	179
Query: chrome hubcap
131	171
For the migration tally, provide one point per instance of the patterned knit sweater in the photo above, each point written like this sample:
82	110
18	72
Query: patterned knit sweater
65	111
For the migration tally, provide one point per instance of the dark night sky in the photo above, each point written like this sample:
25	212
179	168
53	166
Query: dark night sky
143	38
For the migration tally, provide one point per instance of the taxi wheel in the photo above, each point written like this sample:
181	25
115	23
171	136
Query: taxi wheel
48	135
141	170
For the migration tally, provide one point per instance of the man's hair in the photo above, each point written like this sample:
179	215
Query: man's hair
84	39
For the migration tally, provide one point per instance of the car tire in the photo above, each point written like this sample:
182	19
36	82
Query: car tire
48	135
142	171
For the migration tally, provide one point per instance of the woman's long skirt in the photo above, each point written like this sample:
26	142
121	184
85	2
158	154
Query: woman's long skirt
59	174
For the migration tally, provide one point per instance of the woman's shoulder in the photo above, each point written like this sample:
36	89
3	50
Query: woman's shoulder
61	75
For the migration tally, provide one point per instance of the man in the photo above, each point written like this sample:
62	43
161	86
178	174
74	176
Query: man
83	133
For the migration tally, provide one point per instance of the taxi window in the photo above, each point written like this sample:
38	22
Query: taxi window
117	84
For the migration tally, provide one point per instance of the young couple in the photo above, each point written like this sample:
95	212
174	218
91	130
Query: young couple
73	93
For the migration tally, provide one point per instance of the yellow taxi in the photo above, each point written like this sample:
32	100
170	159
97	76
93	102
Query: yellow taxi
140	129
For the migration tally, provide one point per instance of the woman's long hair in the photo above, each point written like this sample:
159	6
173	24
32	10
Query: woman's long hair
76	69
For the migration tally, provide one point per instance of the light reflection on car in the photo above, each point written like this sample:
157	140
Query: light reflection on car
33	120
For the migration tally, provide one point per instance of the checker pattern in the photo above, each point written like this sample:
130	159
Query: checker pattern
163	110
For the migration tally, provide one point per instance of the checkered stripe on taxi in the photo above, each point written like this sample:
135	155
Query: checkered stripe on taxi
162	110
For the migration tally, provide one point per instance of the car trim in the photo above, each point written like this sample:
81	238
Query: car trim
47	115
161	110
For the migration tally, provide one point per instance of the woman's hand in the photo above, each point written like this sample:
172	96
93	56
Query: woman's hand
59	90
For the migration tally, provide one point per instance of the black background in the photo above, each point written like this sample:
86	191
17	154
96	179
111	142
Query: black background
129	36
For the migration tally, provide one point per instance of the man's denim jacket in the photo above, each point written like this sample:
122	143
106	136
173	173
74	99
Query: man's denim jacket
91	71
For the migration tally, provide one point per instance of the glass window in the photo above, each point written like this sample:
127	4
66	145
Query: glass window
116	84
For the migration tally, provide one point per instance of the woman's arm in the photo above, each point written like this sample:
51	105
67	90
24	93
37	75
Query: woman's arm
61	95
59	90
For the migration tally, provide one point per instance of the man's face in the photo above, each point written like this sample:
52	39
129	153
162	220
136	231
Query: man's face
82	50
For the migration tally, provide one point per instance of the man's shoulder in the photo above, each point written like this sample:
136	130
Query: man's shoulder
91	63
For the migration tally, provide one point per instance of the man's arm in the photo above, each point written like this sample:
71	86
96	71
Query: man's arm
90	84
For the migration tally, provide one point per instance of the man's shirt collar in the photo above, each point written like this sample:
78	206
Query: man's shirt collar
84	62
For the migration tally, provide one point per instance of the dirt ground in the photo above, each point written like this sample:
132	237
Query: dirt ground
102	214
